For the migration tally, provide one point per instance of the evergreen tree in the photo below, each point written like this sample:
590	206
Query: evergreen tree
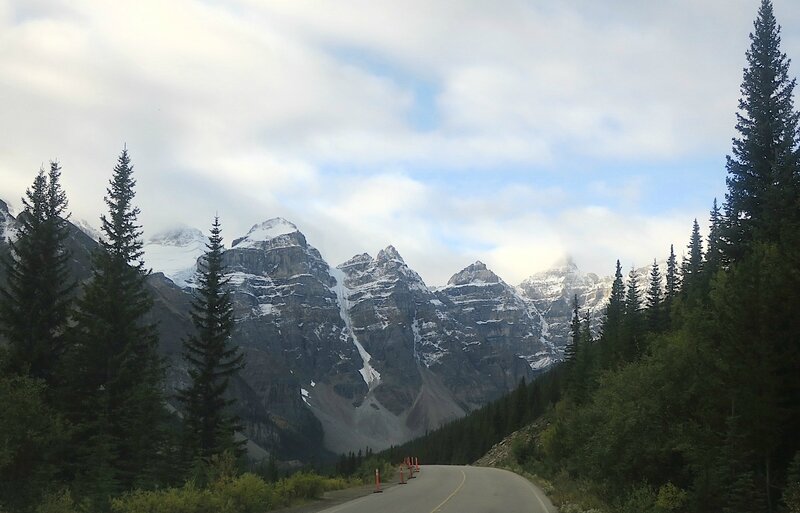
633	321
673	280
35	303
612	323
713	257
584	363
116	370
672	288
762	170
571	351
692	266
211	358
655	300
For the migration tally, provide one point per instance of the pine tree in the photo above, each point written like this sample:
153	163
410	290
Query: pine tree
672	286
116	369
633	323
655	300
35	303
584	363
211	359
714	256
571	351
612	323
762	170
692	266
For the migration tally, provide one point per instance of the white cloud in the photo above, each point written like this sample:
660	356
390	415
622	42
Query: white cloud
253	109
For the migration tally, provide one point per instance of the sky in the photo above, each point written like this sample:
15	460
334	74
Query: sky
518	133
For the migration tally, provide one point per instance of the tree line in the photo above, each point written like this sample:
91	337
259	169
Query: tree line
81	380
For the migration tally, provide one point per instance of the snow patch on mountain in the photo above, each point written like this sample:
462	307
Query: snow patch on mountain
371	376
175	252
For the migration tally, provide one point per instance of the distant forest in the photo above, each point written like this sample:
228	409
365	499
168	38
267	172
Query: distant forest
689	398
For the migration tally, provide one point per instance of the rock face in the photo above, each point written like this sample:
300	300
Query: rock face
501	316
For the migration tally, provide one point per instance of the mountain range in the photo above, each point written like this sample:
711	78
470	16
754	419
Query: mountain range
362	354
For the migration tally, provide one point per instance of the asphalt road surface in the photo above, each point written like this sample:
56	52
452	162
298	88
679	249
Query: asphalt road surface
452	489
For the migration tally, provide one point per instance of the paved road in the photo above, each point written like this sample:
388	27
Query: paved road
452	489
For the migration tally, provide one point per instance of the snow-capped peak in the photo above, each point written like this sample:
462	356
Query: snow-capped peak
268	230
477	274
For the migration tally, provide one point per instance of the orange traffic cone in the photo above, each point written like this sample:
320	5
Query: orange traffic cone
377	482
402	478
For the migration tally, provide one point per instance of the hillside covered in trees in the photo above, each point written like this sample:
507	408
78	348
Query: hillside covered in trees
689	399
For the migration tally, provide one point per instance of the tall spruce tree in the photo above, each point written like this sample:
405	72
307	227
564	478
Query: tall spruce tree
655	300
571	351
212	360
714	256
673	285
692	266
762	170
117	371
633	322
35	303
612	322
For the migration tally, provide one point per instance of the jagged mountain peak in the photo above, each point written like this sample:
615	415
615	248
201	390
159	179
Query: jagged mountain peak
476	273
388	254
4	207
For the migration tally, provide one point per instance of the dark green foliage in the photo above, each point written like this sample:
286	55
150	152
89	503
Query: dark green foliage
116	373
210	426
32	434
35	303
761	202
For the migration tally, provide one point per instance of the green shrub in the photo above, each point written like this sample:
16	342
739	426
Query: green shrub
187	499
247	493
641	499
671	498
59	502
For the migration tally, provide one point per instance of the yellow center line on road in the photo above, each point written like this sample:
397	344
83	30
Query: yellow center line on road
463	480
